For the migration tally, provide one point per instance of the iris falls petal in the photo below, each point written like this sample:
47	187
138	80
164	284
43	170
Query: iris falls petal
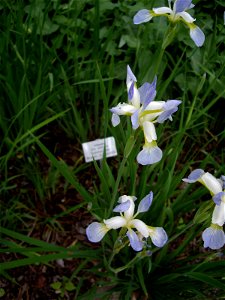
115	120
135	242
218	216
197	35
194	176
212	184
213	237
149	155
115	222
96	231
142	16
158	236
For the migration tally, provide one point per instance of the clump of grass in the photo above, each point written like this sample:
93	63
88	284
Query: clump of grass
62	67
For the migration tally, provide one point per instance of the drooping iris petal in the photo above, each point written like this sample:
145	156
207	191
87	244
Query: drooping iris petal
194	176
181	5
212	184
123	109
162	10
142	16
213	237
155	105
96	231
135	242
218	198
198	36
115	222
170	107
149	131
122	207
218	216
145	203
187	18
147	92
158	236
149	155
140	226
115	120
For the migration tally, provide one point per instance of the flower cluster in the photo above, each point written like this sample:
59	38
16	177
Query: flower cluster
144	113
213	236
127	219
177	14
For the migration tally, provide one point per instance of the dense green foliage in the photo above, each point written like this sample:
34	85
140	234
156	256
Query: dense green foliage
63	65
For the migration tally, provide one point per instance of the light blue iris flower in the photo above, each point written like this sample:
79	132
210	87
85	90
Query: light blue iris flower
213	236
144	113
177	14
137	231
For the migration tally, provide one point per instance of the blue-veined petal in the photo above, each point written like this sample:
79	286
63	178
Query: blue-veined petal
148	92
181	5
134	119
194	176
115	120
149	155
211	183
213	237
122	206
135	242
197	36
96	231
162	10
170	107
149	131
142	16
158	236
218	216
145	203
218	198
115	222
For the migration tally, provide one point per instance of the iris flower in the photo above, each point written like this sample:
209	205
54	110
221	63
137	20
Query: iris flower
177	14
213	236
144	113
137	231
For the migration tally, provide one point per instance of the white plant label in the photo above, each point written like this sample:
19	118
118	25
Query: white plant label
94	150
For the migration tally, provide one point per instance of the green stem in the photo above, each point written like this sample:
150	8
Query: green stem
128	148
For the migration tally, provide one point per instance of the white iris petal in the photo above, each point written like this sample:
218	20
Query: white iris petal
218	216
115	222
212	184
